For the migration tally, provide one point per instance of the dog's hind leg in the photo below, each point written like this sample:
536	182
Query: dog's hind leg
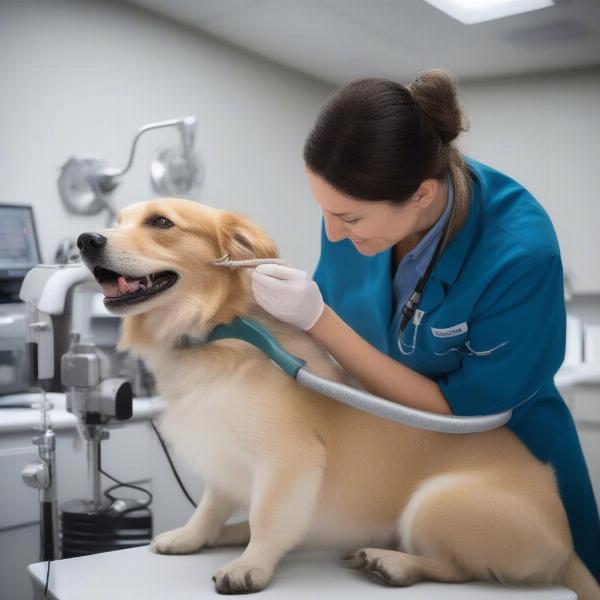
460	527
282	504
201	530
400	569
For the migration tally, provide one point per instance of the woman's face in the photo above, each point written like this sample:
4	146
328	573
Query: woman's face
371	226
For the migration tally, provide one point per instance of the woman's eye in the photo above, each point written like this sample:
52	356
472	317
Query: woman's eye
351	220
161	222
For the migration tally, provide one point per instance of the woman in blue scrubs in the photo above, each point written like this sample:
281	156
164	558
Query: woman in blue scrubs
440	282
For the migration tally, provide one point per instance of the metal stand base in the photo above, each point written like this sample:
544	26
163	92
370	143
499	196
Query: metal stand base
89	530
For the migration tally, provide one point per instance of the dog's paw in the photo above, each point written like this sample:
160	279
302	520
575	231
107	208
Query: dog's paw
239	577
385	566
177	541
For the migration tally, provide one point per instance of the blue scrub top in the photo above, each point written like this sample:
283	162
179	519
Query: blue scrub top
493	330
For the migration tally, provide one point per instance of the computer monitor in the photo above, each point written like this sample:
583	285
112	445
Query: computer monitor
19	249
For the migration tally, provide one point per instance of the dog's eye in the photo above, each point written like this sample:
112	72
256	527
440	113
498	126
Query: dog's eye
160	222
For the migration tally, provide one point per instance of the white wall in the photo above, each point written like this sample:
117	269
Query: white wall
543	130
80	77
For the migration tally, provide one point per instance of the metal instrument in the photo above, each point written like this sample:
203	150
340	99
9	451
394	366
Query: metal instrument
94	400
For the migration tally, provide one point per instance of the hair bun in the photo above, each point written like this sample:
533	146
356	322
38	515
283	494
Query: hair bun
435	93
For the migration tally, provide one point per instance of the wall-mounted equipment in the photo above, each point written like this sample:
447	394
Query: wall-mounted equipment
85	185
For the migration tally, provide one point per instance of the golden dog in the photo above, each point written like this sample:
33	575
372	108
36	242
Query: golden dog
311	471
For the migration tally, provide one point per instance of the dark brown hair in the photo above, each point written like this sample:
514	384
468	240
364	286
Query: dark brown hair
375	139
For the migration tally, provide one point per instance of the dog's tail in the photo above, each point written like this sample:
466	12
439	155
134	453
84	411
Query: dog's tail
575	576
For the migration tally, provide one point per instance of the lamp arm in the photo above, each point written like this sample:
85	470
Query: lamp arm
184	124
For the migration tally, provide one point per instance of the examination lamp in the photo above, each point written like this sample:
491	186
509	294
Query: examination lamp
85	184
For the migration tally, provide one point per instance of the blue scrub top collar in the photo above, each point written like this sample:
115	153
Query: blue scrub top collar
453	256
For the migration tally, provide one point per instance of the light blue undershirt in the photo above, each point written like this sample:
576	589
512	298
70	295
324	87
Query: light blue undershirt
414	264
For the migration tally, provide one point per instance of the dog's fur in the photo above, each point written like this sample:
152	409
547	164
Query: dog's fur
310	470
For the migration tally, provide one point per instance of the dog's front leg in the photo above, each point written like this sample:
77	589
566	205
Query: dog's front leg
202	529
282	504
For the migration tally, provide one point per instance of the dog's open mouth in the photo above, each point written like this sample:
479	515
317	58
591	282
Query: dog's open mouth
120	290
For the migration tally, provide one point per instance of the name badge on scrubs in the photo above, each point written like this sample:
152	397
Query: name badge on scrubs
450	331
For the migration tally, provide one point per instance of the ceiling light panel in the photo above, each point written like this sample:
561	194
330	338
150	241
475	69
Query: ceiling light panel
470	12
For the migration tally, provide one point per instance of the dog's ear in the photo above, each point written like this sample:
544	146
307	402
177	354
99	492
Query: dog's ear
242	240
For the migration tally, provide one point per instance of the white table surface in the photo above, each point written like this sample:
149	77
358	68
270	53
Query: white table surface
301	575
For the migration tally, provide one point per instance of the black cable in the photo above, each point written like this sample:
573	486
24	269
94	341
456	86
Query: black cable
47	525
164	447
140	506
121	484
47	579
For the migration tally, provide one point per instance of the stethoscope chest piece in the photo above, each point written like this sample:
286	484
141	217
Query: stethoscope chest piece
408	349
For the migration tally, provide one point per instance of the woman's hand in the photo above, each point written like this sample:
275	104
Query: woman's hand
292	296
288	294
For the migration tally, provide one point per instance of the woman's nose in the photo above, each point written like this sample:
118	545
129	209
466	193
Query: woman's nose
334	230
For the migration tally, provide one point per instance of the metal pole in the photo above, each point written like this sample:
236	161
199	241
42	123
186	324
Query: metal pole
93	449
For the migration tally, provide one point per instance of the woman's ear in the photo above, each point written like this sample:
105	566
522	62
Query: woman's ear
242	240
426	192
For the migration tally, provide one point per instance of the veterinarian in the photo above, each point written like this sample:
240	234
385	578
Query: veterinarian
440	282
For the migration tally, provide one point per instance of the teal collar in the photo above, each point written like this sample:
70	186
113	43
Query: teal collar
252	332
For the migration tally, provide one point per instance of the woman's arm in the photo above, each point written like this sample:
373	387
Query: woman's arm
291	296
378	373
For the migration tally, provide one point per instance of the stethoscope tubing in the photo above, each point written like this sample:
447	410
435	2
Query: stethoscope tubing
386	409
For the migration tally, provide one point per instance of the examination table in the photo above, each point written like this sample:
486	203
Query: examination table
301	575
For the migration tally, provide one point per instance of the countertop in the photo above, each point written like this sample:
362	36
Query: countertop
568	376
301	575
24	419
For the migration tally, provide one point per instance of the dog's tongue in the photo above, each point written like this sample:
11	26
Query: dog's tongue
120	287
123	287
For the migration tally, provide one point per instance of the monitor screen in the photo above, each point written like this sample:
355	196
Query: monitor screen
19	250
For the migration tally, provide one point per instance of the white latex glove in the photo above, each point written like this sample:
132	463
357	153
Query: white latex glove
289	294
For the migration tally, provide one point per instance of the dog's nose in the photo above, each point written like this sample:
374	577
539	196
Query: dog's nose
91	243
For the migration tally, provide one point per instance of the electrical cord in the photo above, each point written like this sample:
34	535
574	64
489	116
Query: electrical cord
164	447
121	484
135	487
107	493
47	579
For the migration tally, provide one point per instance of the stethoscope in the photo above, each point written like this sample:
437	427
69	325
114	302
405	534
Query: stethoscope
410	310
256	334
